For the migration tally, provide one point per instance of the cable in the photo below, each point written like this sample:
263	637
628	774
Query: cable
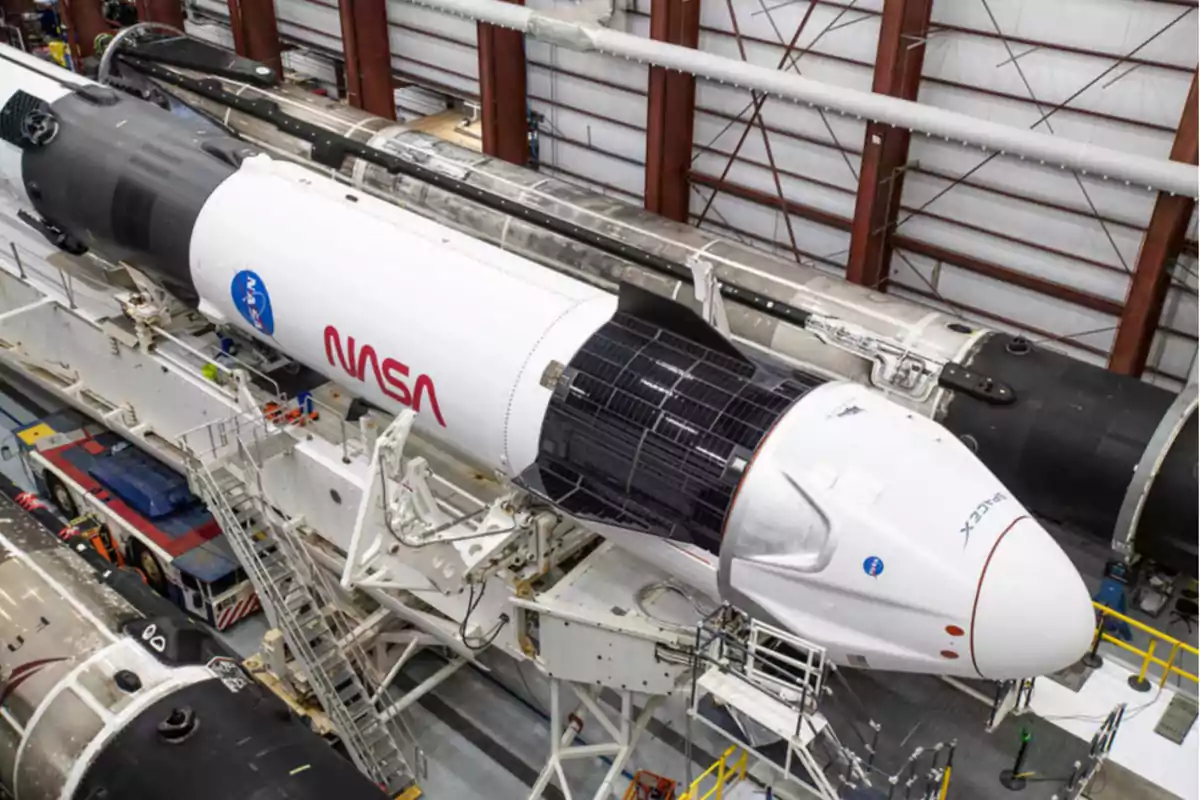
472	603
387	521
1130	713
643	595
837	673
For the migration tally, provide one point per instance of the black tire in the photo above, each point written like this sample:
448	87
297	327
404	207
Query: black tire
148	563
61	497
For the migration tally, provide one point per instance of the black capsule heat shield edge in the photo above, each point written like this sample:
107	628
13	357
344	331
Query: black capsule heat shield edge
652	423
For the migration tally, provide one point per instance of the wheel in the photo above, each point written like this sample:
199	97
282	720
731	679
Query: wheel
60	495
147	562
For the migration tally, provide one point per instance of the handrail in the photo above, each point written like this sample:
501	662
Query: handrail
275	598
726	773
1147	655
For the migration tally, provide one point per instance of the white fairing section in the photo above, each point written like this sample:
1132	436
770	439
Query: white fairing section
458	329
875	532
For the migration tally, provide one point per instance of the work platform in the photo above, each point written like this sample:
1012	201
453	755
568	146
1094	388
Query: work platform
1138	748
602	645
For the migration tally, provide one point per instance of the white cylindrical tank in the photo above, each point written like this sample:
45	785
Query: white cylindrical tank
419	315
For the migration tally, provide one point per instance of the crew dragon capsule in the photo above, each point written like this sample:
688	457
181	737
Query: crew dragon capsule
819	506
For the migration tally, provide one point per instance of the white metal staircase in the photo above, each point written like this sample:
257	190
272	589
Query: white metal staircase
296	594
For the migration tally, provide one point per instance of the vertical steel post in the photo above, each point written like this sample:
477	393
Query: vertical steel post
670	113
167	12
367	54
85	21
256	32
1160	247
502	95
1014	779
899	59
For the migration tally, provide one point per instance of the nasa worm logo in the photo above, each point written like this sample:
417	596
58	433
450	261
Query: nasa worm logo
873	566
252	301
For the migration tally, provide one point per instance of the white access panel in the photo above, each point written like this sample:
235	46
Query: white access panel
591	630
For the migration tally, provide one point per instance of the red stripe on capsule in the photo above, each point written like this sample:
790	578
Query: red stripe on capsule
979	589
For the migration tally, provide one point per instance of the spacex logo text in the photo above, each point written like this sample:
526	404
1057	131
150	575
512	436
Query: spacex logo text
389	373
979	513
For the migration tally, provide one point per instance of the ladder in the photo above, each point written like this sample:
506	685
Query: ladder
295	591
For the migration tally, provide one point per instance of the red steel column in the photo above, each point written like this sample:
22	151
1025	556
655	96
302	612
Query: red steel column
368	55
1160	247
670	112
350	53
168	12
502	95
898	62
256	32
85	21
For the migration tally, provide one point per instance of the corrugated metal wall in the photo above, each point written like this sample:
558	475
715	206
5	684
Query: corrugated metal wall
1122	69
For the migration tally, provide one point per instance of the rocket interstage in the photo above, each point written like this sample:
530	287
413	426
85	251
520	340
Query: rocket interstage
819	506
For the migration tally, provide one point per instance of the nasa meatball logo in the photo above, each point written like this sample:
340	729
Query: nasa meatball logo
252	301
873	566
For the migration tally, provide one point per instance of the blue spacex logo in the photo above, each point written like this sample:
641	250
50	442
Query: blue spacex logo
252	301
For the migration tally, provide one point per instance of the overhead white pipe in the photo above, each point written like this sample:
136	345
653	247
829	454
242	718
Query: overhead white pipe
1087	159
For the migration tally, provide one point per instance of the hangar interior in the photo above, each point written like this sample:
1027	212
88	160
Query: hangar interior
976	219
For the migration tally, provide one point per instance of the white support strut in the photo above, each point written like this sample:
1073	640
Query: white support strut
624	737
389	445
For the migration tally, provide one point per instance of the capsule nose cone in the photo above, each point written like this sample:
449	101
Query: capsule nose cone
1033	615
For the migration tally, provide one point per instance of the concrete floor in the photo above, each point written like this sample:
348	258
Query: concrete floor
502	715
1089	557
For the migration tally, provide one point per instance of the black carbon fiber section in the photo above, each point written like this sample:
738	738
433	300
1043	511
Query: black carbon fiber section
241	745
650	430
1069	444
126	178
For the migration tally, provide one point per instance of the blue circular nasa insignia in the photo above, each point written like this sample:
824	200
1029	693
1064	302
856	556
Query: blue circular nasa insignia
252	301
873	566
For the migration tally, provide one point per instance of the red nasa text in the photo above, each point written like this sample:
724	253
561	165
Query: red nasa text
389	373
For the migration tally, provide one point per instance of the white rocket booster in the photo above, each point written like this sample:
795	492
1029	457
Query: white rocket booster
819	506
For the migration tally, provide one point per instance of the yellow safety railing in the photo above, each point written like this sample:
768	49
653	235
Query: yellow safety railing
729	768
1147	656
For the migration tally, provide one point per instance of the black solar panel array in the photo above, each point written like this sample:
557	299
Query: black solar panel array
650	430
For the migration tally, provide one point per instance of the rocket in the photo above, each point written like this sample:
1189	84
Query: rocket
816	505
1030	413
